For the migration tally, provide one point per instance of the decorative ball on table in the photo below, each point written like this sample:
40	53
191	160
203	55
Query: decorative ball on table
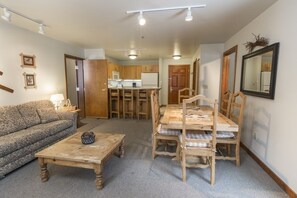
88	137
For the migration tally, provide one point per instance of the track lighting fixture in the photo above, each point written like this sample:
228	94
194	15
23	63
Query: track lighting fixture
7	17
176	57
189	16
132	56
141	19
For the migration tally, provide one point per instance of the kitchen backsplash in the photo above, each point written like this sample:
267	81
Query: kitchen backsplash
125	83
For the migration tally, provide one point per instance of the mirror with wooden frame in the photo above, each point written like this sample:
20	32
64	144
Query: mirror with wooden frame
258	74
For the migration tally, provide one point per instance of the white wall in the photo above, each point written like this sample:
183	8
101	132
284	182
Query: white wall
210	69
273	121
50	70
93	54
163	71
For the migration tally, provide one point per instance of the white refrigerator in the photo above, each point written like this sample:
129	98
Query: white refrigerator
150	79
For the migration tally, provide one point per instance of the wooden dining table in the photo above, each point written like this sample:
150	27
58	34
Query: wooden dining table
199	116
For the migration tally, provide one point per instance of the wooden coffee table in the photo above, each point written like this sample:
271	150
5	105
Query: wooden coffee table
71	152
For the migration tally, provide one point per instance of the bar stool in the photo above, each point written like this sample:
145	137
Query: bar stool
114	102
128	103
142	104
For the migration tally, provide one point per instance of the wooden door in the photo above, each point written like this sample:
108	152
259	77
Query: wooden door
96	90
178	79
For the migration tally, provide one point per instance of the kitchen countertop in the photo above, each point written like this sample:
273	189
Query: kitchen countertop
135	88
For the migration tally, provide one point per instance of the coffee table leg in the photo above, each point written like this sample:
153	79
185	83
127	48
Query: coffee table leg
99	177
121	149
44	175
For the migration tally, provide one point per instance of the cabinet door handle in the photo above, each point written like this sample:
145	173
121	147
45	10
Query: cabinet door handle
103	89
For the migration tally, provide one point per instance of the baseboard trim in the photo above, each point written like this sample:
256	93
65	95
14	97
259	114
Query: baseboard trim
278	180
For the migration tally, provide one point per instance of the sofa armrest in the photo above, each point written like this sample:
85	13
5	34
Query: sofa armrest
68	116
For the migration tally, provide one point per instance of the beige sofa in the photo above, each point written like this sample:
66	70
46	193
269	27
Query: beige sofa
28	128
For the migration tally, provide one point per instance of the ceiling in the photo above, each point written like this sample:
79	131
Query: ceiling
104	24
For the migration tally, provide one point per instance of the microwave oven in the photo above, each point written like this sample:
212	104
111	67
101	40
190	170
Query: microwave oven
115	75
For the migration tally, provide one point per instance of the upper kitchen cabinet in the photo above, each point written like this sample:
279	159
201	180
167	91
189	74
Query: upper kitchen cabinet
150	68
131	72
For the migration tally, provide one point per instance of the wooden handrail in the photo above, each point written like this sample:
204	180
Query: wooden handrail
4	87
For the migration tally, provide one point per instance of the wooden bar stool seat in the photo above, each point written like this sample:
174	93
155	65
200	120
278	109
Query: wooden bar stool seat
128	103
142	104
114	102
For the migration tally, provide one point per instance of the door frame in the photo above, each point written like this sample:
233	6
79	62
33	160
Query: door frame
67	56
233	49
196	73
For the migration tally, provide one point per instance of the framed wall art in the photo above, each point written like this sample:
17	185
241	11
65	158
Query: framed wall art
28	61
30	80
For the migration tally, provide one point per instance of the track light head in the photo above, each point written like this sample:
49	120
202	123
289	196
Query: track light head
189	16
6	15
141	19
41	29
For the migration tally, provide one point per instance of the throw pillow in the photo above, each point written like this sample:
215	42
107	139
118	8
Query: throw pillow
47	115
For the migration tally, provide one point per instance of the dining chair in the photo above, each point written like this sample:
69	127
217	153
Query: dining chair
159	133
233	138
225	103
197	142
185	93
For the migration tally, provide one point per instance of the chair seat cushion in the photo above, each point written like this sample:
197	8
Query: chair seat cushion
197	136
168	131
225	134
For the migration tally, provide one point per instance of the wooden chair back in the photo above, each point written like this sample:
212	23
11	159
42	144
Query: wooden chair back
225	103
237	104
155	110
212	114
185	93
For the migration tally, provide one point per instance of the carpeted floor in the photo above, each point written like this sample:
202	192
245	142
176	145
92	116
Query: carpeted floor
137	175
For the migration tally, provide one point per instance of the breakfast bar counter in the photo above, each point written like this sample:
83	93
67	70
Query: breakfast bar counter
130	102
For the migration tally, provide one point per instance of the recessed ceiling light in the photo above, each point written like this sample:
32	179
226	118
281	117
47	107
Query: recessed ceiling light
132	56
176	57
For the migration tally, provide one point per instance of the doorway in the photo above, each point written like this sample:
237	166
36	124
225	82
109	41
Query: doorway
75	82
229	71
178	78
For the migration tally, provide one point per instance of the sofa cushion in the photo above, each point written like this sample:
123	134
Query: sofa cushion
47	115
10	120
29	113
14	141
